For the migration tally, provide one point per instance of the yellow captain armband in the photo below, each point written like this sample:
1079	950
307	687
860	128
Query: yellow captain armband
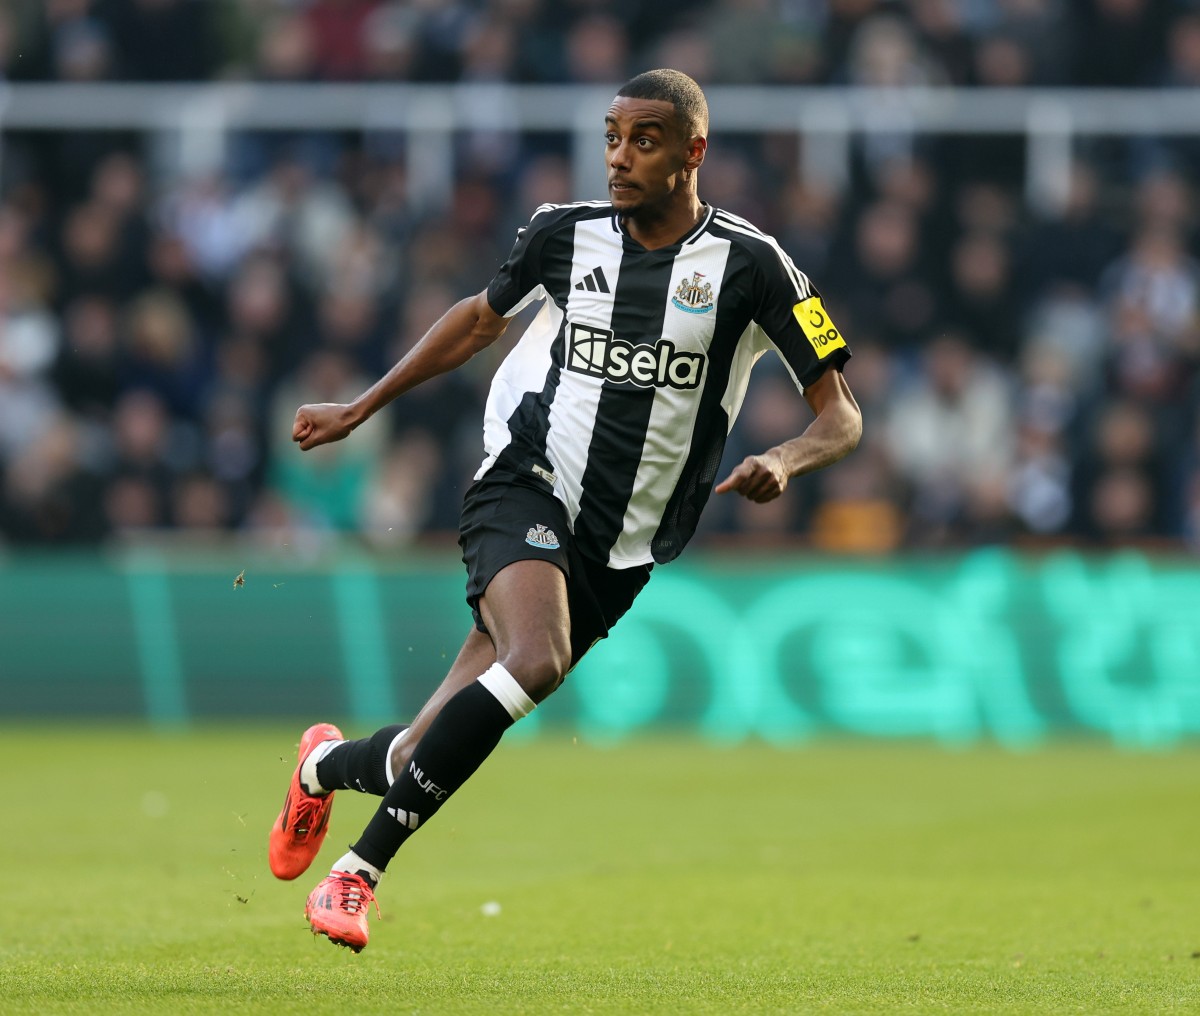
820	331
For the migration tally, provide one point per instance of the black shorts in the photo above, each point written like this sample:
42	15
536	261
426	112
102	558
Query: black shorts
509	517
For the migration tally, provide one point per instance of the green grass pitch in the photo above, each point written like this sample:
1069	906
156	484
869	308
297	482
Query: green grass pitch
660	875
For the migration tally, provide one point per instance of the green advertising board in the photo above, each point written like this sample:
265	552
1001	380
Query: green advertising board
983	645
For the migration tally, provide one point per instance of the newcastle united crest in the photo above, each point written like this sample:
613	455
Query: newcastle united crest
694	295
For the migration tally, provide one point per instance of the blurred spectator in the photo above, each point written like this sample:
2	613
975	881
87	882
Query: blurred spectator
942	34
444	410
338	30
163	353
118	186
689	50
287	50
541	179
234	450
291	212
1069	328
1041	30
90	254
348	320
1120	496
1001	61
29	344
1073	249
1162	199
1039	487
597	51
170	265
144	462
950	434
1119	43
741	26
882	280
982	294
489	52
1153	296
1183	52
199	504
82	50
9	38
391	43
843	19
1189	493
162	40
329	488
729	183
261	310
1040	484
47	495
200	213
885	54
808	217
87	371
398	501
857	511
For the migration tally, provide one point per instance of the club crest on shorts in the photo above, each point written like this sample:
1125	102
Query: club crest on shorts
541	537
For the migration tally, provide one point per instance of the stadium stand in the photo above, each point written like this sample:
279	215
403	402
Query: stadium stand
1025	377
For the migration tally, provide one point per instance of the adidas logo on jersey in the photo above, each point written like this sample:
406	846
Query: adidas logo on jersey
598	353
594	281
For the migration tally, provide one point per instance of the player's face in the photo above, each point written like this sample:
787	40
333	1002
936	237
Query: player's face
646	153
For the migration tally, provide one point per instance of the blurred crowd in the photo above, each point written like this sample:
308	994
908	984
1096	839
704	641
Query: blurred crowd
1024	378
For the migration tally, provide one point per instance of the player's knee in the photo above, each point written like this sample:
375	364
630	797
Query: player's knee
540	669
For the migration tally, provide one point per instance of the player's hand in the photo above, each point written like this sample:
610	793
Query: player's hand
760	478
321	423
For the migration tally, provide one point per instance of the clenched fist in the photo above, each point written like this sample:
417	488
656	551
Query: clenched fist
322	423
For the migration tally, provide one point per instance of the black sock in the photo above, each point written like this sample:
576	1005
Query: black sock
359	765
469	726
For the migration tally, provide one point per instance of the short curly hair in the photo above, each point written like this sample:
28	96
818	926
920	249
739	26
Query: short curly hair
675	87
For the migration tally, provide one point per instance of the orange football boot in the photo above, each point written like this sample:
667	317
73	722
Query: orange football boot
298	833
337	908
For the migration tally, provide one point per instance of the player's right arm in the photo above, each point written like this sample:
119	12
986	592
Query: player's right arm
466	328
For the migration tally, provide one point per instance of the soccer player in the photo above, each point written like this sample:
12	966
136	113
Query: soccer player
603	432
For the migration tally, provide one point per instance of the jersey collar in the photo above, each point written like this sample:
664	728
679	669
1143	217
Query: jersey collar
691	236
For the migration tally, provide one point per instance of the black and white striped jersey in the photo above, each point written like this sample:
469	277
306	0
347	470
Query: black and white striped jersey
623	389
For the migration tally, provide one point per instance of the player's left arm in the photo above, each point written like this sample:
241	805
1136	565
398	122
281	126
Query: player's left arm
832	435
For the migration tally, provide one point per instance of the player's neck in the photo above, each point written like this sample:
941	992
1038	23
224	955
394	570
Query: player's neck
663	227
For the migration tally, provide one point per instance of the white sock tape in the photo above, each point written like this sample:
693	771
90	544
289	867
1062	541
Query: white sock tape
507	692
387	759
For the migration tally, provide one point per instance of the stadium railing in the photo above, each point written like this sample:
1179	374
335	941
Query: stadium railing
824	119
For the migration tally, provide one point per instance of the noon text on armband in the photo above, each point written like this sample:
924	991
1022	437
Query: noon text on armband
598	353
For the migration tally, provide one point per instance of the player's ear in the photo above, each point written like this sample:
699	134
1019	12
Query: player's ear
696	147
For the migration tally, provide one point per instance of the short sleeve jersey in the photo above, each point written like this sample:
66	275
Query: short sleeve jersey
623	390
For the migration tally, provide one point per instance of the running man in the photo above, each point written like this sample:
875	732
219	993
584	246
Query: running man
603	432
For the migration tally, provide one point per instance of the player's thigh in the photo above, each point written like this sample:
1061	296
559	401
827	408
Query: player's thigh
526	612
